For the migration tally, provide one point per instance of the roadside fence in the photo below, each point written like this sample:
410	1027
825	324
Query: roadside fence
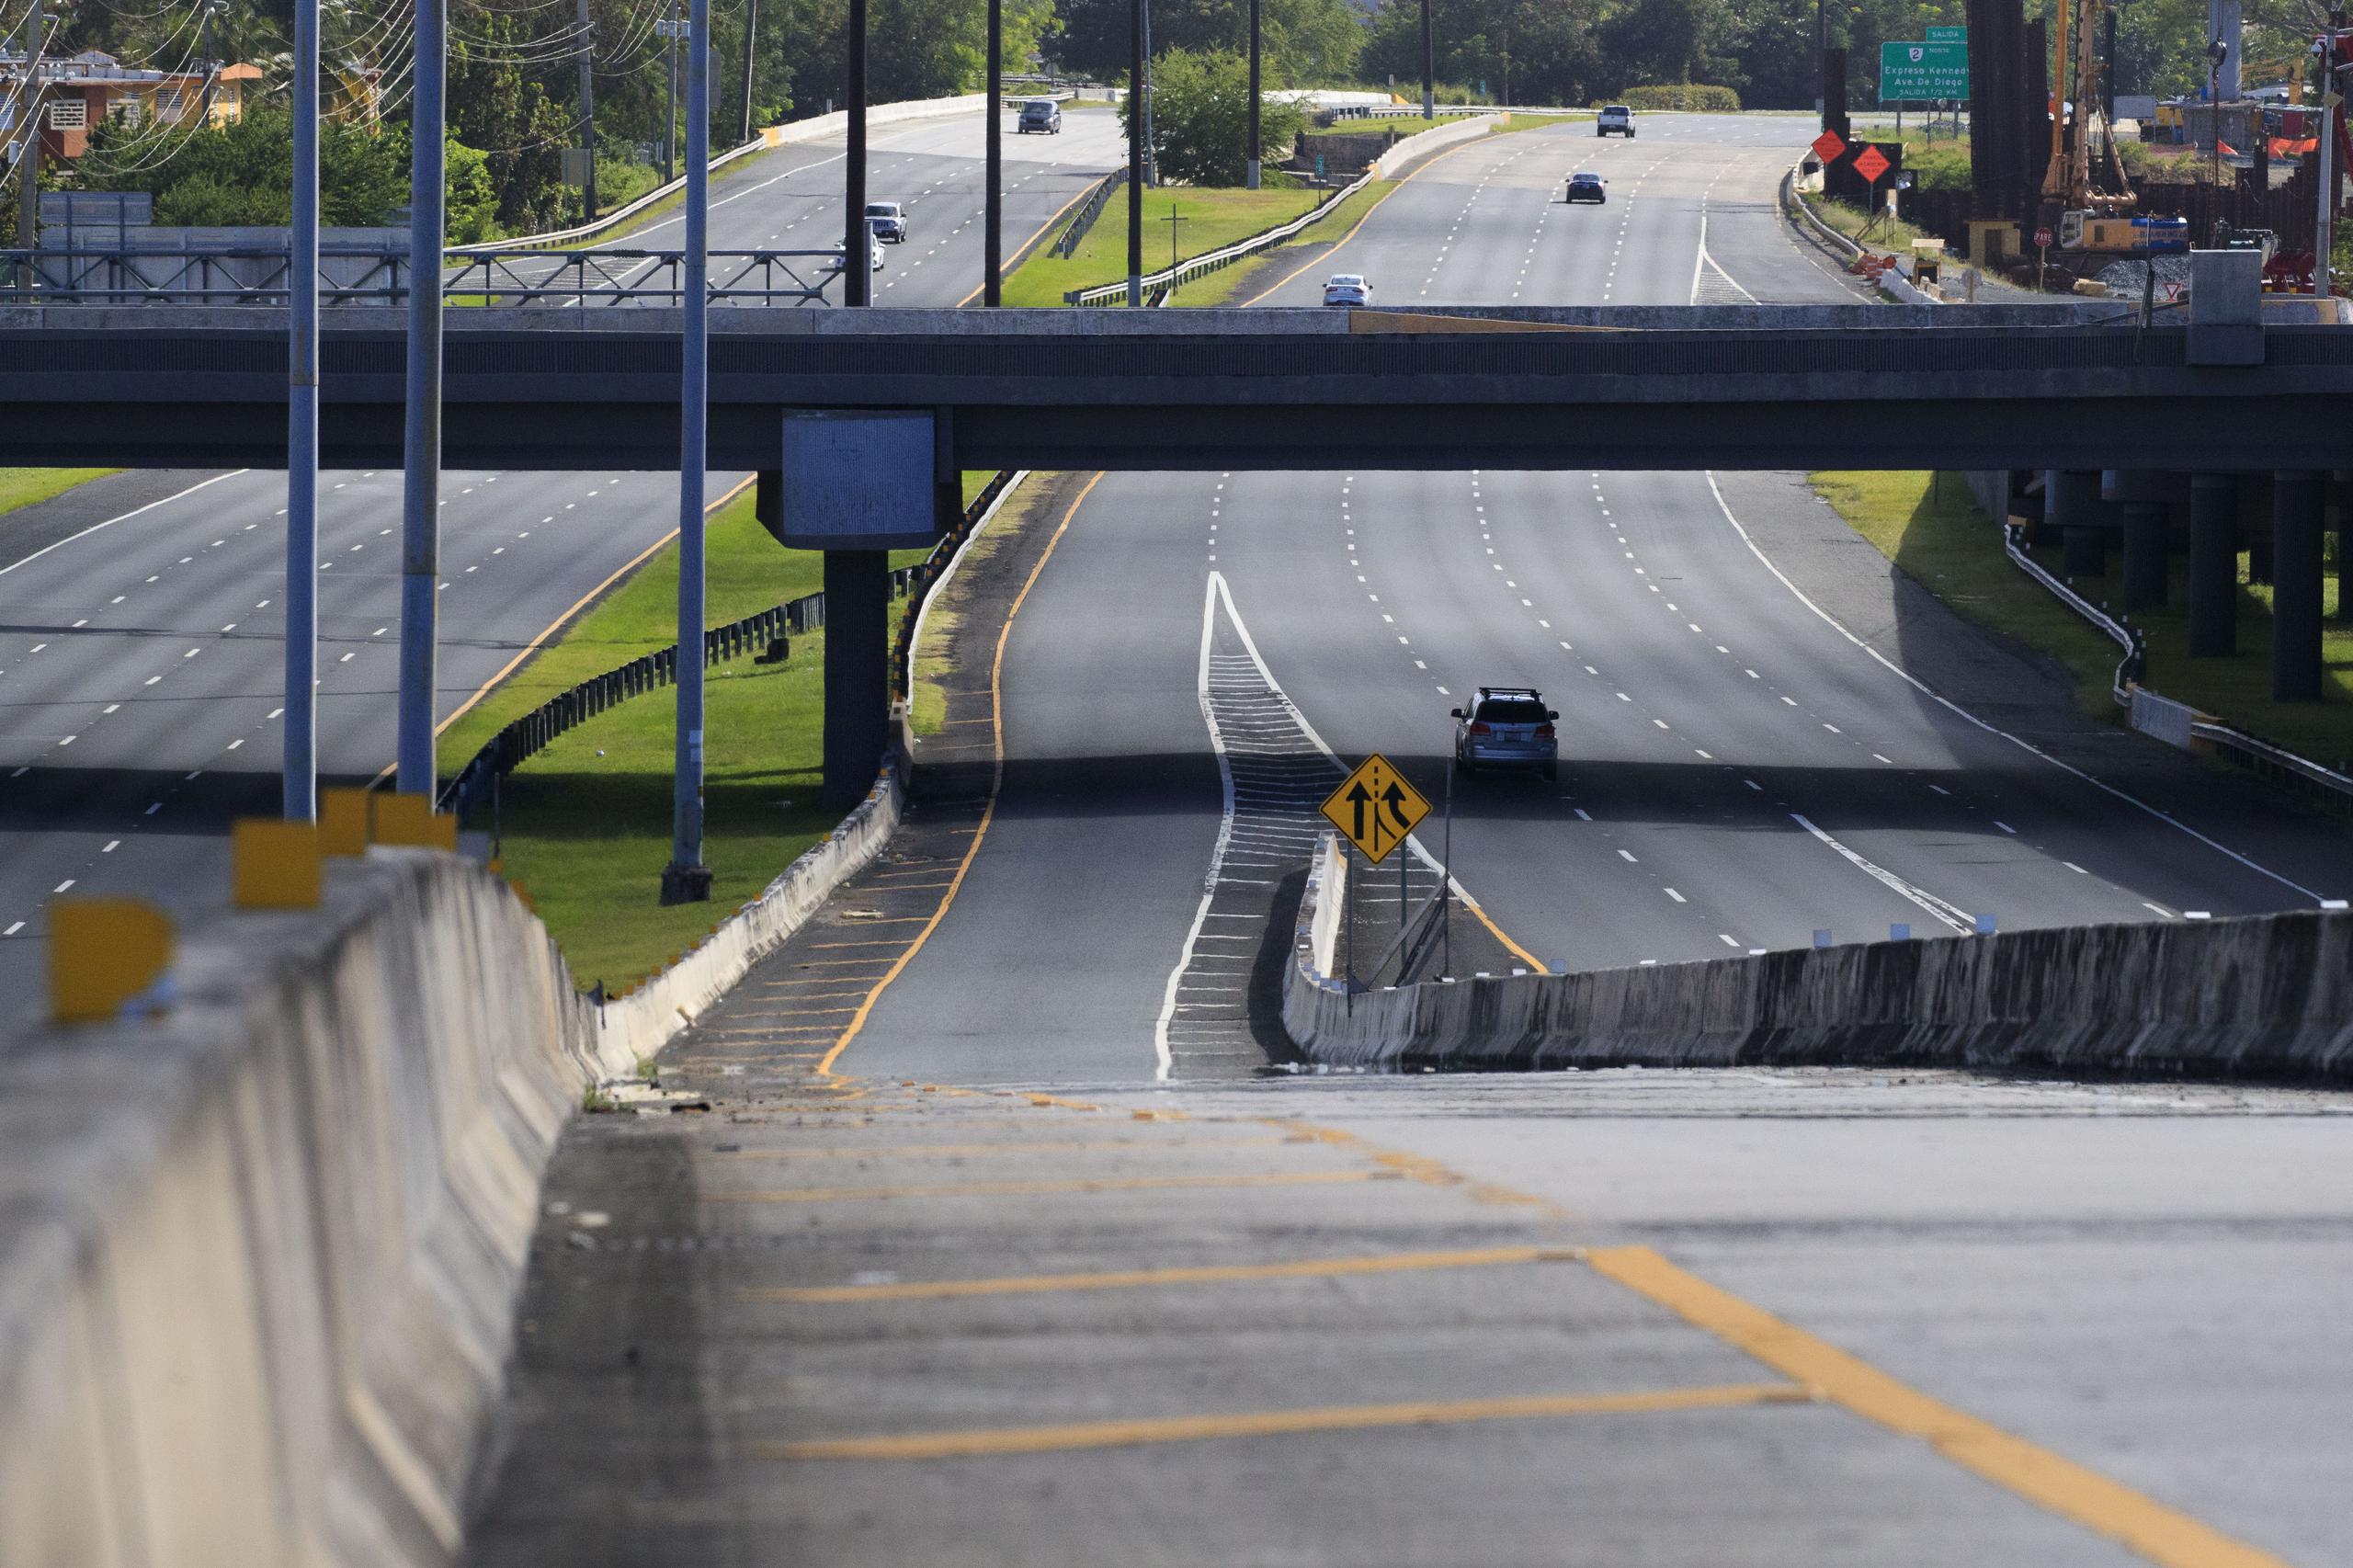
1089	212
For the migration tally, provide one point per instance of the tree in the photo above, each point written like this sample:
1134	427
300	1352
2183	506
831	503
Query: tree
1200	118
243	173
1302	42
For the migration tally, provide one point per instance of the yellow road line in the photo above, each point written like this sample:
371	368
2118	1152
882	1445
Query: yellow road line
557	624
988	812
2139	1523
1043	1188
986	1441
1017	258
1042	1146
1361	222
1144	1279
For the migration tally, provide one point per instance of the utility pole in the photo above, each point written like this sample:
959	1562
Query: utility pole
29	159
670	102
588	111
687	880
1253	94
1429	65
421	481
751	45
1821	48
858	237
1151	147
992	239
301	761
2324	225
1135	152
212	61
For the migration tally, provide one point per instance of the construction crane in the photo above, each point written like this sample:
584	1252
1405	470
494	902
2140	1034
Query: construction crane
2068	181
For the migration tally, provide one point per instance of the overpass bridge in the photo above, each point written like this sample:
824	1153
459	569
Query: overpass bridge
1644	388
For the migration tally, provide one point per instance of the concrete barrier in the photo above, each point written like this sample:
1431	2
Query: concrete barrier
1410	154
2263	995
259	1255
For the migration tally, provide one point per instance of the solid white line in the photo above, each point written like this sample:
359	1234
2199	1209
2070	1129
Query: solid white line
1224	827
110	522
1929	691
1959	919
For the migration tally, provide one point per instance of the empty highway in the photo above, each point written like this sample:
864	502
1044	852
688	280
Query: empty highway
991	1252
140	662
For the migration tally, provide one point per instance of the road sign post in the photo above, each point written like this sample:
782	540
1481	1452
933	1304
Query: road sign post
1375	810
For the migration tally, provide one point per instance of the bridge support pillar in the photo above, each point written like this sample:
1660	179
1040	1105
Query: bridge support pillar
2070	503
2213	565
2143	497
2340	498
858	688
2296	594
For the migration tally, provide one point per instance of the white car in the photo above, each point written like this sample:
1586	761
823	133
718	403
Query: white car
1346	288
837	260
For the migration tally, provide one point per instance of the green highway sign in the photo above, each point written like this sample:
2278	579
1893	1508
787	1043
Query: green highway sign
1948	35
1909	73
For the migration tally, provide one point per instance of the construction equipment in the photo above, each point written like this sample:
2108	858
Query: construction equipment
2069	181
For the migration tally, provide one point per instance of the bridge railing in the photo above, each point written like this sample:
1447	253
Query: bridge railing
354	275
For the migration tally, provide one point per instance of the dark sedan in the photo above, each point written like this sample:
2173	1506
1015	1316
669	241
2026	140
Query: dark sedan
1586	187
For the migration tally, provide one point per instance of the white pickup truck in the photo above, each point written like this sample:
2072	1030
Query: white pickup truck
1617	118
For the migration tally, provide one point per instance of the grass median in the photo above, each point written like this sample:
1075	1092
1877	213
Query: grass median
1210	219
29	486
1933	529
585	826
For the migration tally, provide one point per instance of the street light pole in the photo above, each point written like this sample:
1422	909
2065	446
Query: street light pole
2324	225
1253	181
421	482
1136	152
687	880
1429	66
300	781
992	239
857	236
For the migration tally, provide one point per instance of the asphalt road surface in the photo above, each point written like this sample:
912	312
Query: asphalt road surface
977	1260
140	660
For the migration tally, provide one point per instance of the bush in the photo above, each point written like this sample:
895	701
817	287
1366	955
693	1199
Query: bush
1689	97
1200	118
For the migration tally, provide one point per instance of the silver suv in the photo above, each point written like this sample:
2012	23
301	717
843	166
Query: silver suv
888	219
1509	726
1616	119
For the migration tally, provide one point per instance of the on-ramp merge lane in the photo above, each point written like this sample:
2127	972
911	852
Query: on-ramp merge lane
1738	771
140	663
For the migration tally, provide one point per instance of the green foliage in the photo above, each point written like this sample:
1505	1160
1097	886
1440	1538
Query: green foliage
1684	97
1302	42
1200	118
471	210
243	172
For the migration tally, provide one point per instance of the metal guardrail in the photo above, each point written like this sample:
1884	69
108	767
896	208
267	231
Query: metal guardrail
1087	213
917	581
1194	266
2264	758
614	218
350	276
640	277
767	633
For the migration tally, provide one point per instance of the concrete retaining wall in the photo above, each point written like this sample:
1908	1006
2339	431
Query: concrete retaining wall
259	1255
2263	995
1415	151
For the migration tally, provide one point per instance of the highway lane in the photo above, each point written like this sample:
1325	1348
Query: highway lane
140	663
1738	773
1309	1320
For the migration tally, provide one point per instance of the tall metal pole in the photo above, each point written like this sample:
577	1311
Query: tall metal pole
1253	94
857	234
2324	225
751	45
1429	65
993	241
1135	152
421	483
1821	48
301	762
29	157
688	880
588	111
670	98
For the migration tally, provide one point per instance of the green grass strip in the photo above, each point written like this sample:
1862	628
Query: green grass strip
30	487
1212	218
1936	532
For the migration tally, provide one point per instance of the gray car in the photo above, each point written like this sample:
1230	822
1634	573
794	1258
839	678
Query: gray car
1509	726
1041	115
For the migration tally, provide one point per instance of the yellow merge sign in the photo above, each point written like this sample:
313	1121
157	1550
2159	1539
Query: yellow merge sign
1375	808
